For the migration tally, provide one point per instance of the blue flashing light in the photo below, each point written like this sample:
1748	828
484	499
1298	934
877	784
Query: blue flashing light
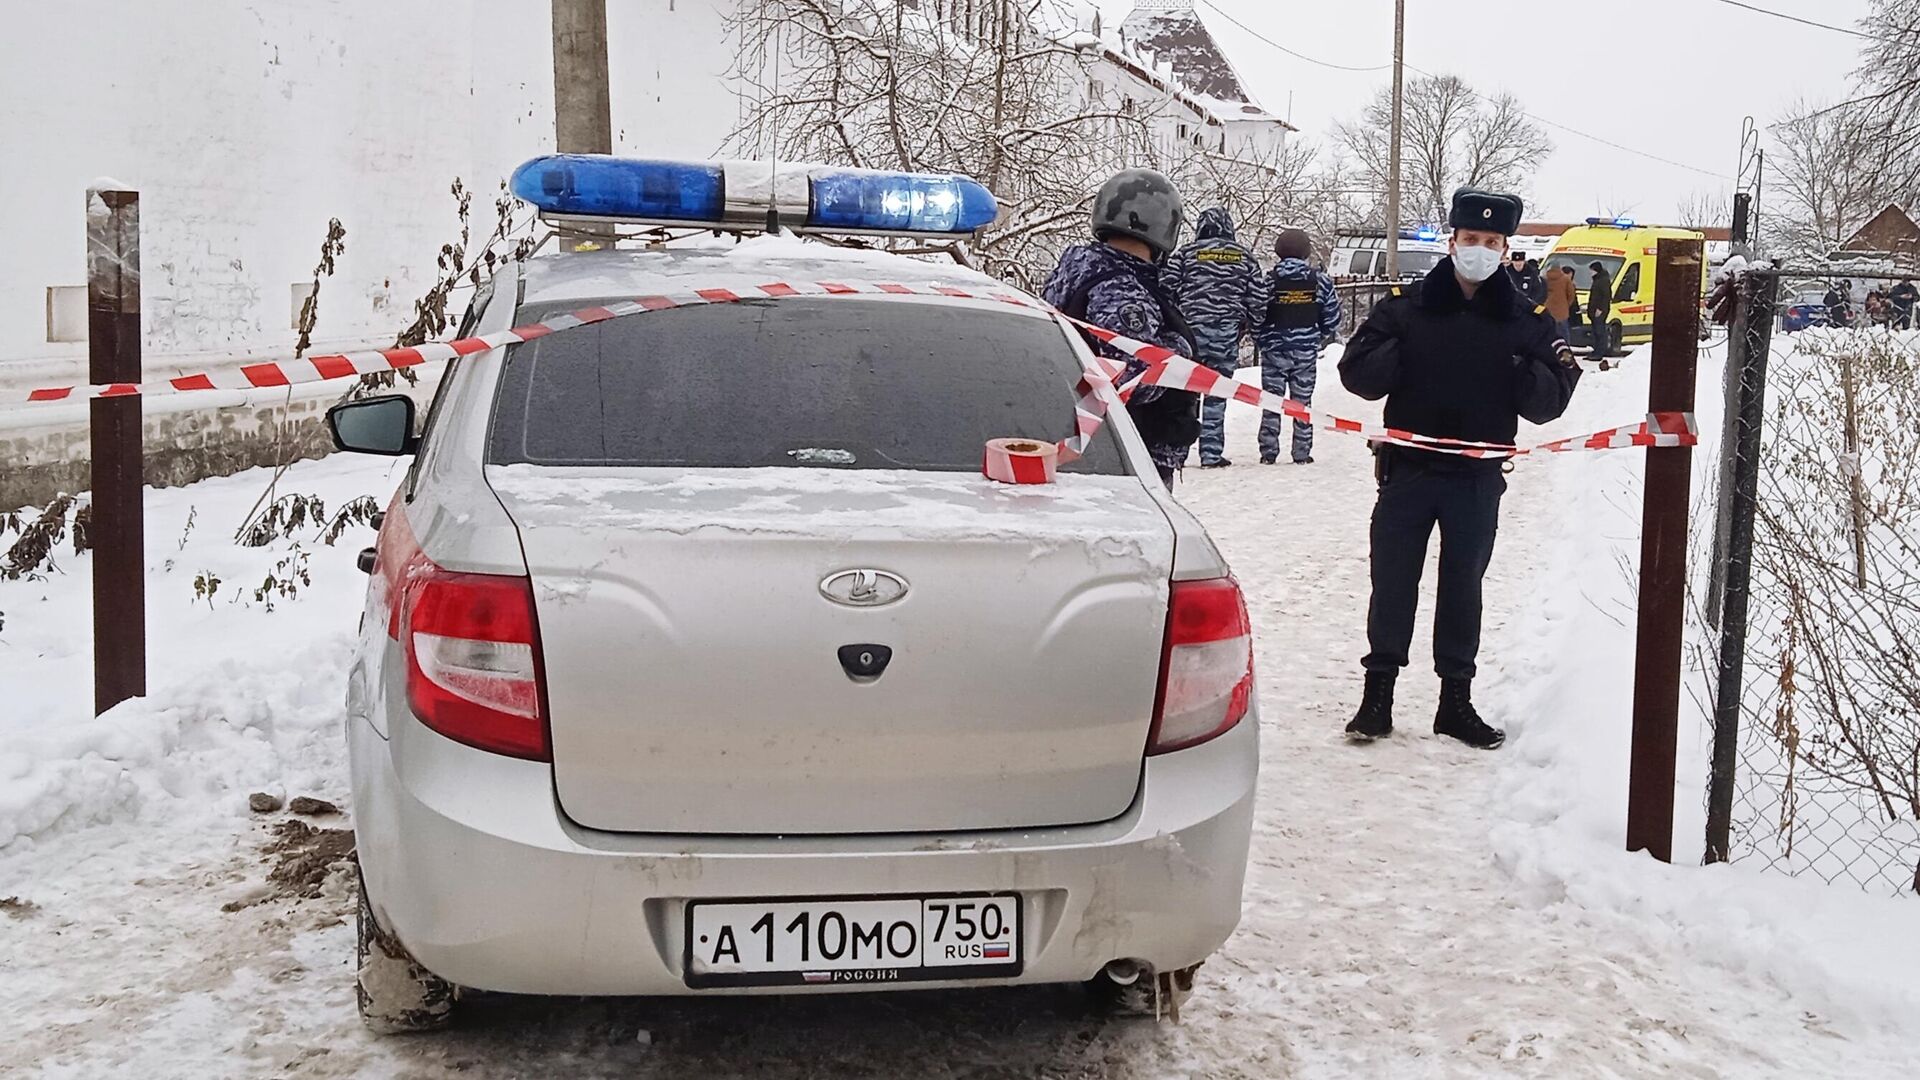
594	185
1616	222
1424	232
898	202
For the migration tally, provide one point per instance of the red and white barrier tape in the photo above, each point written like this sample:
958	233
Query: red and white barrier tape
1020	461
1169	369
1096	391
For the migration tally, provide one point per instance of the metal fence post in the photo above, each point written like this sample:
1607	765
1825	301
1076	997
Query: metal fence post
1737	342
1758	298
118	527
1663	555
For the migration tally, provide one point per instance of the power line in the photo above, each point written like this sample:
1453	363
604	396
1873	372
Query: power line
1297	55
1755	8
1258	36
1589	135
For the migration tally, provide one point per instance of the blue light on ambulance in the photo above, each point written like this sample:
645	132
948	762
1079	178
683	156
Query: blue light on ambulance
1616	222
861	201
596	186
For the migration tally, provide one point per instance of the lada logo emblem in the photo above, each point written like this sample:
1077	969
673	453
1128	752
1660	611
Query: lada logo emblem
863	587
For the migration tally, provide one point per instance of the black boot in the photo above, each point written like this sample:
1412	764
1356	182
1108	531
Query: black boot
1456	718
1375	718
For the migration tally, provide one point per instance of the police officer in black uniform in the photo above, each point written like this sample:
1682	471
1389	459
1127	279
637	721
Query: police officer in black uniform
1462	355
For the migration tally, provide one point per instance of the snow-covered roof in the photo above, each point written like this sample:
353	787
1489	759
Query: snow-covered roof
1222	100
724	262
1172	32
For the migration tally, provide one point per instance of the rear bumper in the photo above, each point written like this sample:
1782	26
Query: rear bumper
469	862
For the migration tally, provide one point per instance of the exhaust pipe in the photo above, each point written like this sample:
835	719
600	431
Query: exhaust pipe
1124	972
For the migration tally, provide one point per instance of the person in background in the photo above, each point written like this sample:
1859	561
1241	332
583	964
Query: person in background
1902	298
1114	283
1302	316
1600	309
1876	308
1526	276
1460	355
1562	297
1839	301
1534	283
1222	293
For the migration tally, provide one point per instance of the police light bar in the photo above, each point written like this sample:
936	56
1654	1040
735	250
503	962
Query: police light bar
1616	222
1424	232
740	194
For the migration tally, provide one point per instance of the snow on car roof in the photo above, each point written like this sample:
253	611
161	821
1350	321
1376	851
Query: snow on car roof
723	262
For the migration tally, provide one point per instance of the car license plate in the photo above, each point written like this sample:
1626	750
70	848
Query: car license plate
825	941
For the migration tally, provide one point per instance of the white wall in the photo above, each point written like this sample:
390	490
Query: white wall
668	73
245	126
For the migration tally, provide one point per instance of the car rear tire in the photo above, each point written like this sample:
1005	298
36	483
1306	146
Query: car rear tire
395	994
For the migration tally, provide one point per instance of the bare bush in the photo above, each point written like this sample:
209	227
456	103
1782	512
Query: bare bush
1836	586
289	514
31	554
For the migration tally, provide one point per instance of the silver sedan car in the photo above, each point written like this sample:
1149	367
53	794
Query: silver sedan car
699	657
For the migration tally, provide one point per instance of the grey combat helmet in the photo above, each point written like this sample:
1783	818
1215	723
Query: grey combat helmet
1140	203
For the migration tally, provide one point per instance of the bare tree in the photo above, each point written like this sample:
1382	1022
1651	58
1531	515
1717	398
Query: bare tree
1888	97
1453	136
984	88
1831	175
1704	210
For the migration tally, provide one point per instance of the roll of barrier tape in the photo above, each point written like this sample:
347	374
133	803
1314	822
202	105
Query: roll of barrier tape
1021	461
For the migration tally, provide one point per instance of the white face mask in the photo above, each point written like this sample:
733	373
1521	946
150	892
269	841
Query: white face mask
1477	263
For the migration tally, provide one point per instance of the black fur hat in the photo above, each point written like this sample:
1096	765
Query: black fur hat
1486	211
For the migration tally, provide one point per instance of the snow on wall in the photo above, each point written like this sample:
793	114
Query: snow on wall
246	125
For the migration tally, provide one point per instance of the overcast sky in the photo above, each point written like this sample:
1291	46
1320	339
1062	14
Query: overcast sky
1655	75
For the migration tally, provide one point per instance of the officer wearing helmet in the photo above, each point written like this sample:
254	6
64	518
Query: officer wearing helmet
1114	283
1461	355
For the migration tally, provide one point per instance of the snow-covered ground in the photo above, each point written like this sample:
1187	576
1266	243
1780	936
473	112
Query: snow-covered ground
1413	909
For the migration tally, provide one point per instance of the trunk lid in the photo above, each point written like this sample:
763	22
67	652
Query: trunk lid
691	634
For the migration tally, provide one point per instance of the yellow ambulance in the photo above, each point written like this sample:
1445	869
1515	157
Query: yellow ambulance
1626	251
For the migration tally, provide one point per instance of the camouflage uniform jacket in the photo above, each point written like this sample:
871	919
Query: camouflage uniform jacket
1219	287
1127	301
1300	340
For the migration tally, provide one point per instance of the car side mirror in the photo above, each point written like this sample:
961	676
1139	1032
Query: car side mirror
382	425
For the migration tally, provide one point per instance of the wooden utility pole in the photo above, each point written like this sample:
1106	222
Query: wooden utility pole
118	526
1663	554
582	104
1393	140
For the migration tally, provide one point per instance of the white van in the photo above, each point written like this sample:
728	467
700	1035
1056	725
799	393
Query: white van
1359	255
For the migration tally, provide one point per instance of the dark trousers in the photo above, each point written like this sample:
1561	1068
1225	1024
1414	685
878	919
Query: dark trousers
1413	499
1599	333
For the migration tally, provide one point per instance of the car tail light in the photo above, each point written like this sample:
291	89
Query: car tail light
1206	667
473	661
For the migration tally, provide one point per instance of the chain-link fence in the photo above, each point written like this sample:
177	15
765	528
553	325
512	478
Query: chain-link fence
1817	589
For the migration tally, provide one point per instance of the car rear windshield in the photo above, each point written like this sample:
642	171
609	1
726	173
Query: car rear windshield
1583	269
842	383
